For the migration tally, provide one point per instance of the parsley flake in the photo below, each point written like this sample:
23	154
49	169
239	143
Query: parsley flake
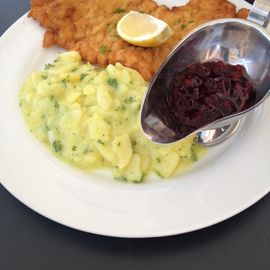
121	178
113	83
103	49
119	10
121	108
56	105
100	142
83	75
193	154
183	26
57	146
129	100
64	82
48	66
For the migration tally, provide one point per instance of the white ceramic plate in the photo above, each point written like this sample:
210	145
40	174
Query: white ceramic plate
232	177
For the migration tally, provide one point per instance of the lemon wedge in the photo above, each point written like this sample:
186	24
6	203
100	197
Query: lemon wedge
143	30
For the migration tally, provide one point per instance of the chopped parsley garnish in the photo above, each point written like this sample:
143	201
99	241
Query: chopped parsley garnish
83	75
193	154
119	10
103	49
57	146
121	178
113	83
48	66
64	82
129	100
111	29
56	104
183	26
121	108
44	77
74	148
191	21
158	160
87	150
100	142
118	144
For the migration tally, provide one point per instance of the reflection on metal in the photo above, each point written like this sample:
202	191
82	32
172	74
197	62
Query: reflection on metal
215	136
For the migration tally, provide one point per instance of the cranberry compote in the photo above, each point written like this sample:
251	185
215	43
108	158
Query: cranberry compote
205	92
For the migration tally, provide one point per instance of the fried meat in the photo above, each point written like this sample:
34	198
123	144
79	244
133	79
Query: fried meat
89	27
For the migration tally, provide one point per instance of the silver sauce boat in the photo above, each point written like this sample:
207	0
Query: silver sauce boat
235	41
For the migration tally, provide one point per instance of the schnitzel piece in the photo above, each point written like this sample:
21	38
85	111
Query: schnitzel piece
89	27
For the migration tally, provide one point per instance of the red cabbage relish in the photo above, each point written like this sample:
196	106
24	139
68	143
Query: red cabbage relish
205	92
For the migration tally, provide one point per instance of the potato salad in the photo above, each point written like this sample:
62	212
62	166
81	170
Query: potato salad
89	117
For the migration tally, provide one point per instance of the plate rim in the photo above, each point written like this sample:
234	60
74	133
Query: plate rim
151	235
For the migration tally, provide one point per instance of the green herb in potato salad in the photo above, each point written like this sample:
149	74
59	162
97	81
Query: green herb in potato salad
89	117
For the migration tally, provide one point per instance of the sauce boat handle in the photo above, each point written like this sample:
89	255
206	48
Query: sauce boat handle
260	12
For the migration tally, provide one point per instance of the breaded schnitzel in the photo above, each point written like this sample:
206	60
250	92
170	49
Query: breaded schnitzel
89	27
